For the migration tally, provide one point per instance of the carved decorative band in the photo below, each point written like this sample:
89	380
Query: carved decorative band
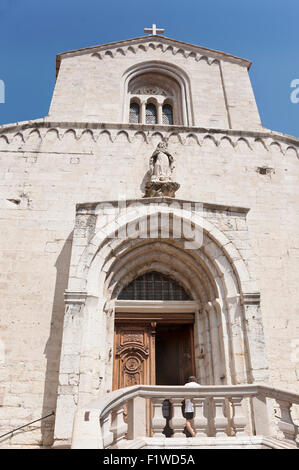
253	298
74	297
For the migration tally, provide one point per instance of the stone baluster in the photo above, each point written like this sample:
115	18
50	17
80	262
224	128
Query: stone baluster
239	420
107	434
200	421
177	422
158	421
118	426
220	419
286	424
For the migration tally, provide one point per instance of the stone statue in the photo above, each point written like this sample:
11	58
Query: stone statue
162	165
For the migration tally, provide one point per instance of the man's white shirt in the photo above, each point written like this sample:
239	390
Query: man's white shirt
189	407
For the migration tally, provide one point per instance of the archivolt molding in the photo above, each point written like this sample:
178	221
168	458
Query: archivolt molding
171	71
213	273
27	137
224	260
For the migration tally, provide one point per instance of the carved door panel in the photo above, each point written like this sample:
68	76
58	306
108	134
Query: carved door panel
134	355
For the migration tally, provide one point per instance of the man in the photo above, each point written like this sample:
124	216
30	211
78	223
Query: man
189	407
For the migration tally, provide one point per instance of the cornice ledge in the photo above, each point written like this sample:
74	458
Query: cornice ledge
47	123
90	207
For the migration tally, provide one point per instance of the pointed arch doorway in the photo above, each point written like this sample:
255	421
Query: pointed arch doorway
154	333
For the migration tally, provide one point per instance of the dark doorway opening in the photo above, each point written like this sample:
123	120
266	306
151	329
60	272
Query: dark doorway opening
174	354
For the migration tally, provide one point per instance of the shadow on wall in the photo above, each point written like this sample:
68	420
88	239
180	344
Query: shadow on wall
53	346
145	180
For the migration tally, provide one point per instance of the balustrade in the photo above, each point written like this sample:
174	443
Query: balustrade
236	411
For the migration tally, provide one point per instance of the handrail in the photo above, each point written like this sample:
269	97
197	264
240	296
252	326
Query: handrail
25	425
108	402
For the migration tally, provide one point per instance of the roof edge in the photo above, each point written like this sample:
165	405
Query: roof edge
212	52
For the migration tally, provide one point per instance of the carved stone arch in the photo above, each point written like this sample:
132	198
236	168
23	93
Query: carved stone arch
122	136
173	74
218	279
204	59
4	142
110	53
87	135
97	54
291	150
142	47
120	51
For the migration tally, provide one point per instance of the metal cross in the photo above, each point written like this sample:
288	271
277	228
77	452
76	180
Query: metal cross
153	30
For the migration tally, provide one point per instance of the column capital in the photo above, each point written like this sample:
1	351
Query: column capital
251	298
74	297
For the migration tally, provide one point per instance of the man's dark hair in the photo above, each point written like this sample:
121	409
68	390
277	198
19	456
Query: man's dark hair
192	378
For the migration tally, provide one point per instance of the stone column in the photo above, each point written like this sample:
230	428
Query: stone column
200	349
159	113
93	351
68	388
215	342
142	112
255	336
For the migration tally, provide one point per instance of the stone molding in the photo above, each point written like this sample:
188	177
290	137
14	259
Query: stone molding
156	306
74	297
162	44
133	132
251	298
91	208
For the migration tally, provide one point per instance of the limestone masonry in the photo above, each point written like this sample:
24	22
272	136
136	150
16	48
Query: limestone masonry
60	281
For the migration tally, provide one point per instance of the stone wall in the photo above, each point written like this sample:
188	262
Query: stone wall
47	168
91	83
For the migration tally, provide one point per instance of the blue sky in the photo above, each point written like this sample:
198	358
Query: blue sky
32	32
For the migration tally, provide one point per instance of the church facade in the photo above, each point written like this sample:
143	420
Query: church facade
150	231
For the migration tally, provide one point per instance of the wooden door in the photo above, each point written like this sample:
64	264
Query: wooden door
134	354
174	354
186	353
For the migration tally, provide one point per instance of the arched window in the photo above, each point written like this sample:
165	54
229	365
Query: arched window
154	286
167	115
150	114
134	113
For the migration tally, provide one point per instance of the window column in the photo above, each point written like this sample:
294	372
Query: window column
160	118
142	115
